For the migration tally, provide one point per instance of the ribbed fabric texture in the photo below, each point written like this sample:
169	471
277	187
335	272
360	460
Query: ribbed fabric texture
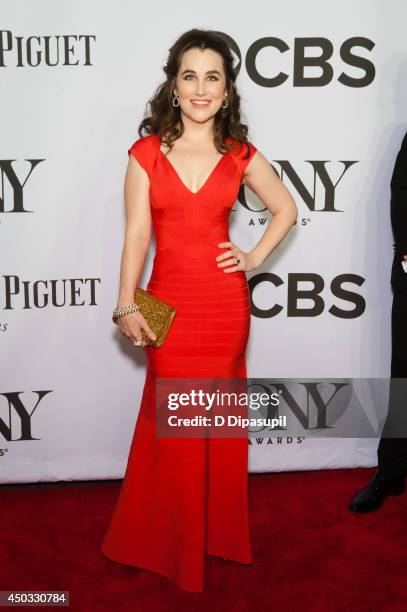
183	498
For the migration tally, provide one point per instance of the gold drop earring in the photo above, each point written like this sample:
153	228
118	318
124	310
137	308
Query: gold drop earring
175	99
225	99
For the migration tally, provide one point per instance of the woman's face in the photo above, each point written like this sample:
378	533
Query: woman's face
201	77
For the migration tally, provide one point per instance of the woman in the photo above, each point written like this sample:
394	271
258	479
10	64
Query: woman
184	498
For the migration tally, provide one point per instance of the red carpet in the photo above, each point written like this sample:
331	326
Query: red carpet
310	552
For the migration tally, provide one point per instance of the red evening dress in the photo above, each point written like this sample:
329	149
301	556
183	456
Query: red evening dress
183	498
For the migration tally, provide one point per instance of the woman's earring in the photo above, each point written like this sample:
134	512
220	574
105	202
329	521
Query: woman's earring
175	99
225	99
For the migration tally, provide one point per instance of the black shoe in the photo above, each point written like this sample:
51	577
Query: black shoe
371	497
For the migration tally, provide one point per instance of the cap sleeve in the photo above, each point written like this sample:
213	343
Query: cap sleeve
141	151
240	154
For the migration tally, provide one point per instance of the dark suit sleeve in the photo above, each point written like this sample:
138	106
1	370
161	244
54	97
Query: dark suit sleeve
399	178
398	212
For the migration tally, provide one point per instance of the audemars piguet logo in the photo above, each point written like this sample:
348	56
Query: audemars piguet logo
36	50
22	294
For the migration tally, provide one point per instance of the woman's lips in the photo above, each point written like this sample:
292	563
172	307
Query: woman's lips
197	104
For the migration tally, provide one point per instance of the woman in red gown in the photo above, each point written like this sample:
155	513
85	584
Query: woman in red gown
183	498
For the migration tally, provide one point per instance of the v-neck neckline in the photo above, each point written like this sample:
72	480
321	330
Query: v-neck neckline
176	174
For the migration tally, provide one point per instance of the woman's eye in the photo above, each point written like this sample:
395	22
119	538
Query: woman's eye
211	76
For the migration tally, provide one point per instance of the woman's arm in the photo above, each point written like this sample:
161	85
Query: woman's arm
263	180
138	230
136	243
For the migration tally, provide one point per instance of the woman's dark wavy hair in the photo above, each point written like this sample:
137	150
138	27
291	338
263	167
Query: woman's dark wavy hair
164	117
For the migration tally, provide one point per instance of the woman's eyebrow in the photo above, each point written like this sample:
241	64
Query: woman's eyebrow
207	72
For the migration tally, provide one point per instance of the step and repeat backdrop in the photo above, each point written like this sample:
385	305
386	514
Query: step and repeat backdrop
324	92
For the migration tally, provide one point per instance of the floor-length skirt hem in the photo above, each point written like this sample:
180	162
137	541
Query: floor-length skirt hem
242	561
198	588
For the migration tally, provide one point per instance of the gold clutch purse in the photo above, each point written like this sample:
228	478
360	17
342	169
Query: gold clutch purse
158	314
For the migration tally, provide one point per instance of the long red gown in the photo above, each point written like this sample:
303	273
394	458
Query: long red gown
183	498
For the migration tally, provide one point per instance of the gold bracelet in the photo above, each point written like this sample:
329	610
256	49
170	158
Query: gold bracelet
124	310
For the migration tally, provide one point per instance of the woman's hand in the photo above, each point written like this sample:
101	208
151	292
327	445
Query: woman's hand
132	325
235	260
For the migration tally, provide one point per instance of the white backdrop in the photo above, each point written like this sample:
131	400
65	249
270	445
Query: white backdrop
70	384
